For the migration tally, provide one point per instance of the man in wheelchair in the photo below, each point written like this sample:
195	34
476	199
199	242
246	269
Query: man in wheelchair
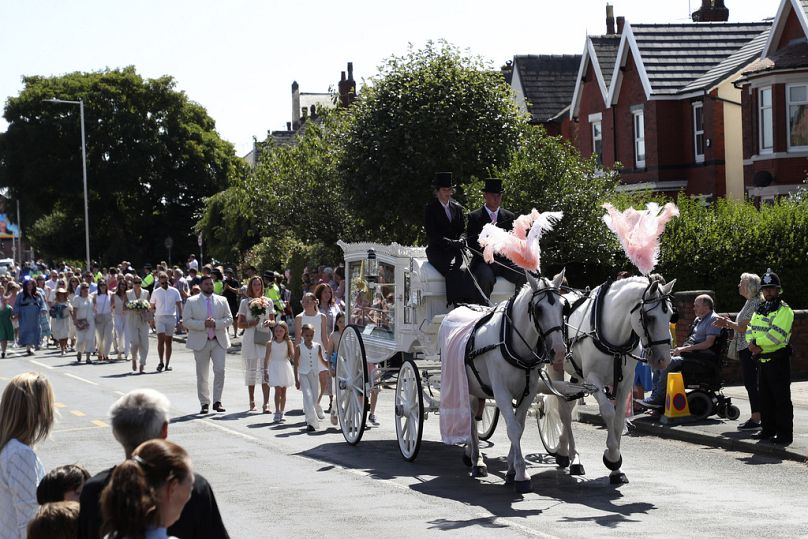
698	353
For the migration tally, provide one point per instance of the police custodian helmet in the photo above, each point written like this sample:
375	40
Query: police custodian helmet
770	280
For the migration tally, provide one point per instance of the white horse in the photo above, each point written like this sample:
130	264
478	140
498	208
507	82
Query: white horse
604	332
503	362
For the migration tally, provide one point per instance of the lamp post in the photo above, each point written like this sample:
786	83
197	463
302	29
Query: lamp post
80	103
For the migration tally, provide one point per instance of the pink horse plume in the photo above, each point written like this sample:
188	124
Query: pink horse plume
639	231
521	244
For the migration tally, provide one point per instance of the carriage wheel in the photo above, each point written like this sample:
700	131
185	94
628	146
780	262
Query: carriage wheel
486	427
548	420
351	381
409	410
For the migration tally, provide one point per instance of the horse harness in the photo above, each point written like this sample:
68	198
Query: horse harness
505	343
619	353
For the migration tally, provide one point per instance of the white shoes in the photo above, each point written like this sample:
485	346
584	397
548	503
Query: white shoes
372	419
320	414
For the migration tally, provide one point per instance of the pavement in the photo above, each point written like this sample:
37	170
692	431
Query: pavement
723	433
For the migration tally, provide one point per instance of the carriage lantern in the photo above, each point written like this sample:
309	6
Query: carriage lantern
371	268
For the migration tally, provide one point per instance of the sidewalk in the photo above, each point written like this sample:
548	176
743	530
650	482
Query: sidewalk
716	432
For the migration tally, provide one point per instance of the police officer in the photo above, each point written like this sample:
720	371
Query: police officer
768	334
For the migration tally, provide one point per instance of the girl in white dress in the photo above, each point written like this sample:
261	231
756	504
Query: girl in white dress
83	319
278	371
317	320
60	314
250	351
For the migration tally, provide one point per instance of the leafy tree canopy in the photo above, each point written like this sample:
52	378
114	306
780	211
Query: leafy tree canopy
153	155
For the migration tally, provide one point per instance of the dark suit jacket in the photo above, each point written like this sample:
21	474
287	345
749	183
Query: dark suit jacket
439	227
200	517
479	218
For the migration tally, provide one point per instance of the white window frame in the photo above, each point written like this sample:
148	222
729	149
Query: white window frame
698	106
788	114
636	115
597	119
761	112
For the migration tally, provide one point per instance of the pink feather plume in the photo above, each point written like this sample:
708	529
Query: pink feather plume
639	231
521	244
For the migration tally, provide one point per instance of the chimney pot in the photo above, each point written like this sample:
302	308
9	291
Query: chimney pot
621	22
342	76
609	19
350	70
288	126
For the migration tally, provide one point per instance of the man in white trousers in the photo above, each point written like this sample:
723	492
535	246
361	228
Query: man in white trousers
206	317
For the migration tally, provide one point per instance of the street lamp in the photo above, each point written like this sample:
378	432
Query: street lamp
80	103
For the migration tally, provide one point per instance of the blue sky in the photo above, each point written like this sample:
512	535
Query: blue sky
238	58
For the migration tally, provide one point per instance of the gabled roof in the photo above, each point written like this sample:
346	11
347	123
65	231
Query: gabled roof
671	58
547	82
800	8
601	53
734	63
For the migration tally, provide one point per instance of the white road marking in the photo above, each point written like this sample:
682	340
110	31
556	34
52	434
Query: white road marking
230	431
78	413
121	393
41	364
81	379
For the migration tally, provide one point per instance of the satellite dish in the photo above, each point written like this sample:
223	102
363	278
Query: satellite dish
762	178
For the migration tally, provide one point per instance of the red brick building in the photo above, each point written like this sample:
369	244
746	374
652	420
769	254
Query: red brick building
774	94
543	85
663	104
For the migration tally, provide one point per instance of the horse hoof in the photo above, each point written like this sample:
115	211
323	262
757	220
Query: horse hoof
466	460
618	479
509	477
523	487
479	471
562	461
577	469
613	465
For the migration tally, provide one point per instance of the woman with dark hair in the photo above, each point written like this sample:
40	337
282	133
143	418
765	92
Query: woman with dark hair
84	321
119	320
102	308
27	308
146	493
327	306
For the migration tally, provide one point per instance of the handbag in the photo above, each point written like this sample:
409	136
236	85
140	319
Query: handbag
261	337
732	349
82	324
103	318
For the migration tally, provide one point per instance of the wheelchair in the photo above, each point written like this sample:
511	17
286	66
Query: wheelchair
703	384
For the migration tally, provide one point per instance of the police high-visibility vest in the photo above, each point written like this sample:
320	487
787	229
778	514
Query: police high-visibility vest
771	331
148	280
273	292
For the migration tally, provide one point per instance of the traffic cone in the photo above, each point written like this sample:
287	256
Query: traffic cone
676	407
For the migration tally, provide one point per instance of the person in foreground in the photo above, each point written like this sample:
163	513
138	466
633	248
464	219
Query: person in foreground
768	335
137	417
26	418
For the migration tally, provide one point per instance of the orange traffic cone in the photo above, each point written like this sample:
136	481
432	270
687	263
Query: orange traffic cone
676	407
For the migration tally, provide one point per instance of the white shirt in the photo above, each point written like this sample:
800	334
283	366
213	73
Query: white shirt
103	304
165	300
51	284
193	264
492	214
20	473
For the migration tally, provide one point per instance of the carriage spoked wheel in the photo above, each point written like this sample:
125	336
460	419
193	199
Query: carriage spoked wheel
548	420
488	424
351	381
409	410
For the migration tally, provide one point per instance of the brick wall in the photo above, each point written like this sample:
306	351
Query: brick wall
732	370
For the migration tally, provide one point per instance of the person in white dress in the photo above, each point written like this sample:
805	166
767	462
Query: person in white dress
278	371
119	319
308	360
137	325
83	320
326	305
26	418
60	313
251	351
102	307
313	317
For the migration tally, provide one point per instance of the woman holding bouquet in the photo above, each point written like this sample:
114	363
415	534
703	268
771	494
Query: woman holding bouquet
138	325
254	316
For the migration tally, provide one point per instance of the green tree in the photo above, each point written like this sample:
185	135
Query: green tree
433	109
153	156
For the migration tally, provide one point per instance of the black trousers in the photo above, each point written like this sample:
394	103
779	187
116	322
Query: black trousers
774	384
749	368
486	274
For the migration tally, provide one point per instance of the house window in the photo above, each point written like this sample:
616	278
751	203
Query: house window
639	138
698	131
597	141
797	115
766	129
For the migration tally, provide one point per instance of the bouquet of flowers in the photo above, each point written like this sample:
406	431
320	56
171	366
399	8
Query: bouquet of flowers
258	307
139	305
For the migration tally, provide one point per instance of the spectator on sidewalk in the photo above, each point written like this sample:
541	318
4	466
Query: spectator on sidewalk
58	520
137	417
62	484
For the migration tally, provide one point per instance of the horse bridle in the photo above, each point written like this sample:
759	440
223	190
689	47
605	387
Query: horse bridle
662	299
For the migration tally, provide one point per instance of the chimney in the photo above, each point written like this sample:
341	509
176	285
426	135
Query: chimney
288	126
295	106
621	22
609	20
711	11
313	112
347	87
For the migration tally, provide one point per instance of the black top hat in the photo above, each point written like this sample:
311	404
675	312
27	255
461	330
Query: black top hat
268	274
229	270
770	280
442	179
493	185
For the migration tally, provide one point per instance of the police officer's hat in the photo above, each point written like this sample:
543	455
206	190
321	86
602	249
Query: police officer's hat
770	280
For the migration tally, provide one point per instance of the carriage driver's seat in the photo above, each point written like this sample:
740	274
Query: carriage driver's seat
433	287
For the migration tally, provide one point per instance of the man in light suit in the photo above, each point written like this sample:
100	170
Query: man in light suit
207	317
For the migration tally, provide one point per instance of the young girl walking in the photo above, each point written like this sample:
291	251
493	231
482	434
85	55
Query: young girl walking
308	361
278	371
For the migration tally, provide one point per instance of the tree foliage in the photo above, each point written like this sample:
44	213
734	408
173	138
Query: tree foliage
433	109
152	157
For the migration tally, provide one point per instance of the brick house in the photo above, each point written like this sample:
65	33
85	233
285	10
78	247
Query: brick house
669	113
774	93
543	85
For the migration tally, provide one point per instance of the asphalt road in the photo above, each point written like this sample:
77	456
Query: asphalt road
275	479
